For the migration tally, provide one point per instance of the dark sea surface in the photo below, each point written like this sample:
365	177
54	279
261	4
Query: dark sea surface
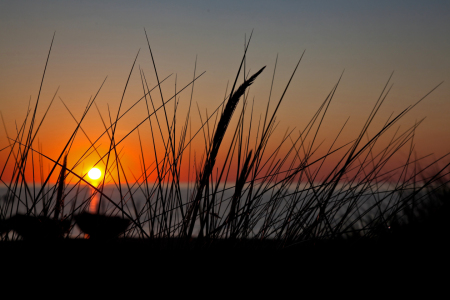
271	203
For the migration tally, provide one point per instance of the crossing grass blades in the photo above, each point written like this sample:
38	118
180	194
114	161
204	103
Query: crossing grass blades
277	199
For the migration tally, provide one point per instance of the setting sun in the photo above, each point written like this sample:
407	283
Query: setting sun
94	173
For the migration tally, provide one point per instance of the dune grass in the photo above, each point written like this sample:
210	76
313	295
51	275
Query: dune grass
276	197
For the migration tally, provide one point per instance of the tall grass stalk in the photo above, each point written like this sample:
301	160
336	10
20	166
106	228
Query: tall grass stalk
279	192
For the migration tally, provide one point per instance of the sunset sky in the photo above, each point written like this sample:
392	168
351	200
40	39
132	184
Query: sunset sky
367	40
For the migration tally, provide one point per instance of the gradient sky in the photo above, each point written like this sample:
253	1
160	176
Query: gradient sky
95	39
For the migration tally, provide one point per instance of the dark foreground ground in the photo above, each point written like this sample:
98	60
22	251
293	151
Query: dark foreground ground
200	268
404	249
239	253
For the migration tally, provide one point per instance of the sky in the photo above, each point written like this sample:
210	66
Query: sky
364	41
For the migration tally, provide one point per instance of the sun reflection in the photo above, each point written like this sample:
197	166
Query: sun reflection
94	174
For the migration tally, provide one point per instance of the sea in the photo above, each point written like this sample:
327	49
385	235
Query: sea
272	204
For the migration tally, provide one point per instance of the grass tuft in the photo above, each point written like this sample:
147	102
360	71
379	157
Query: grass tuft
277	199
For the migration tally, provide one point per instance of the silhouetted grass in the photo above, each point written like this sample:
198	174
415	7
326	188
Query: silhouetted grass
277	200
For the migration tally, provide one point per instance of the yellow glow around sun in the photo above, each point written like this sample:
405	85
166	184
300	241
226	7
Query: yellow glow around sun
94	173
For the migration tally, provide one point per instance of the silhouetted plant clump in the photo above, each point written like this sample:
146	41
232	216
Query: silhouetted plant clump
277	195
